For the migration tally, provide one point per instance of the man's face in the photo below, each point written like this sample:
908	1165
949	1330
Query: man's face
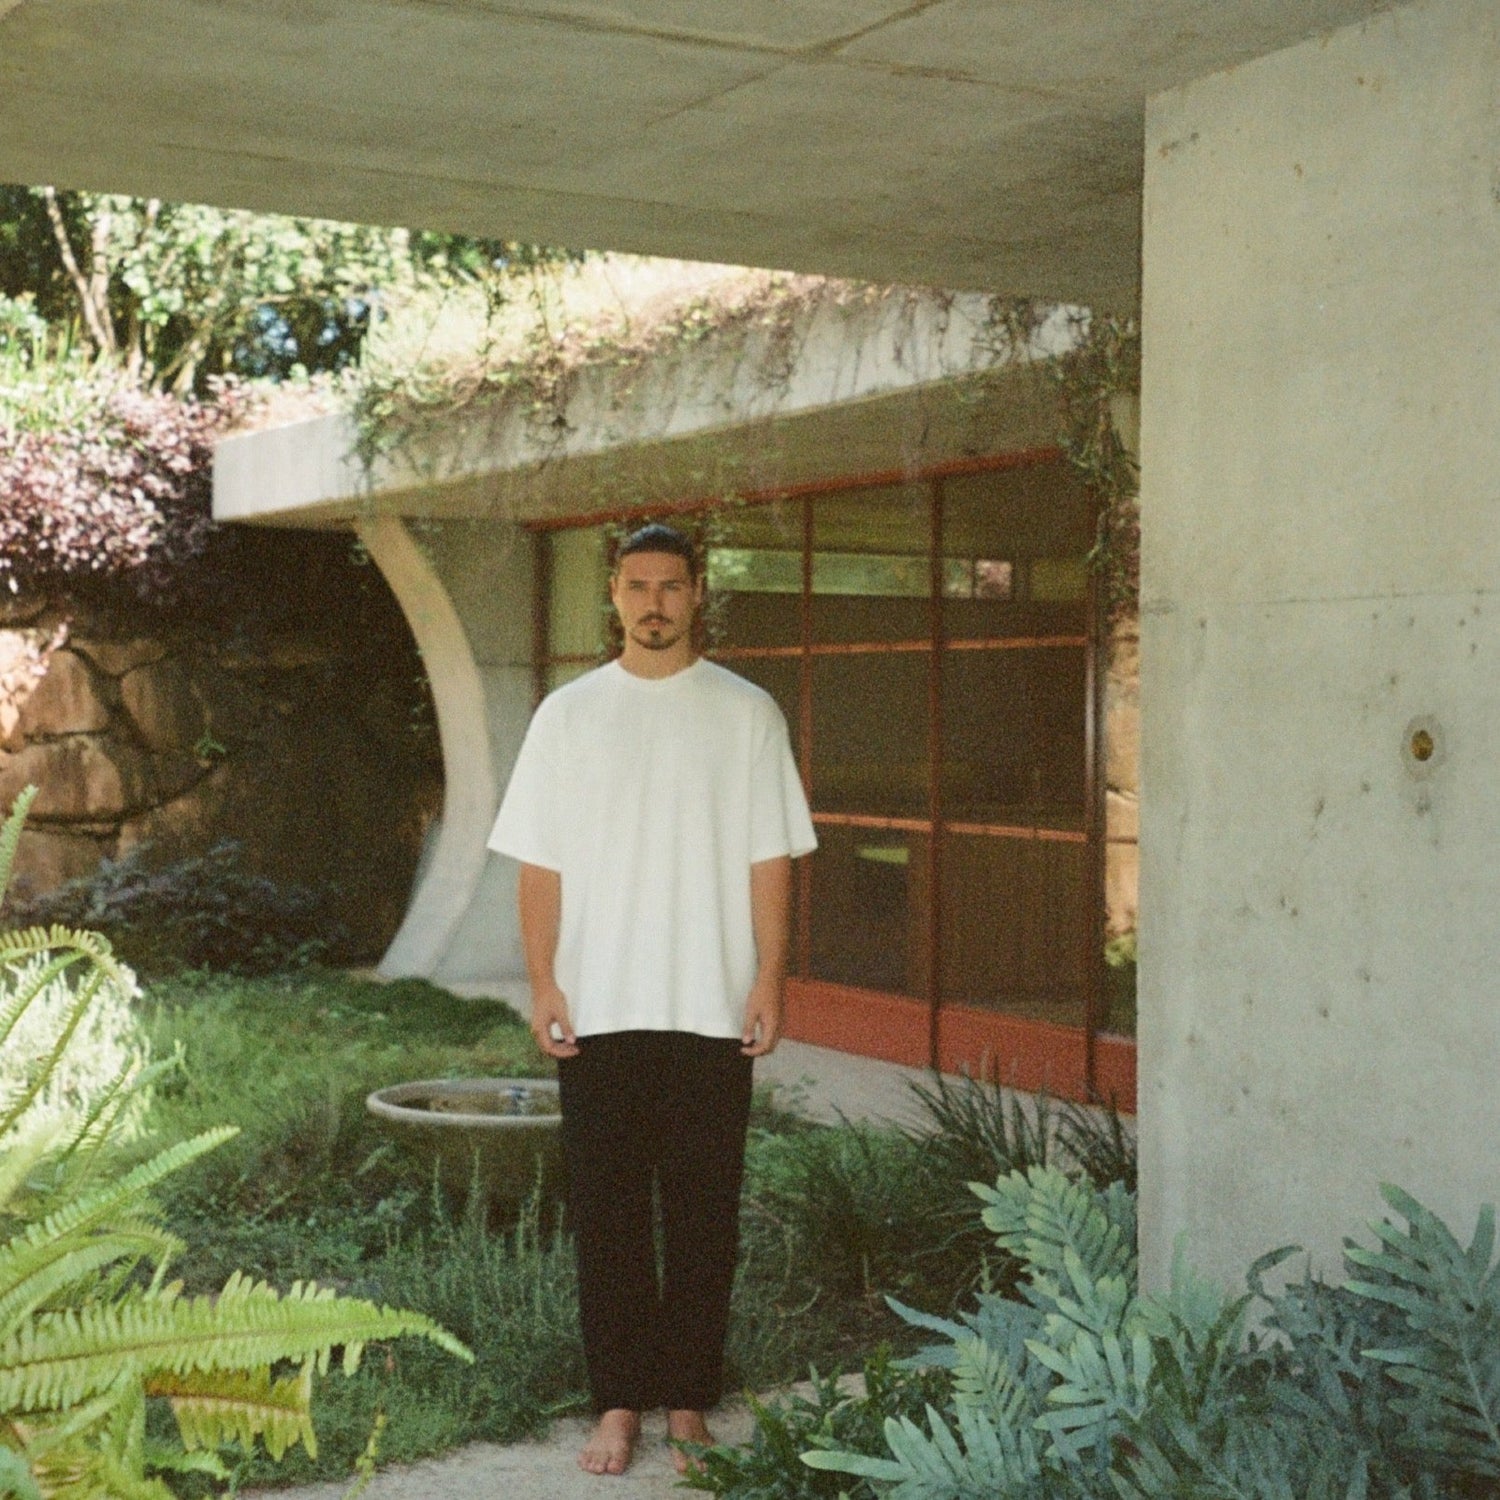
655	598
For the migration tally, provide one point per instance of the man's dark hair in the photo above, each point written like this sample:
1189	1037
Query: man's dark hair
659	538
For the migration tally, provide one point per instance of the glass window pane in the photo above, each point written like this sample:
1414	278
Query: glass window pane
751	570
1058	579
1016	928
870	734
869	917
872	574
1026	533
755	575
578	595
1035	510
1013	737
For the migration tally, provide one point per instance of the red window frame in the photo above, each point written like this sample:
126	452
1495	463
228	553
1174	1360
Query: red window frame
1081	1063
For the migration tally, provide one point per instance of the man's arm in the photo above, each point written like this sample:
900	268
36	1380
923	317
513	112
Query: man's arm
540	903
770	918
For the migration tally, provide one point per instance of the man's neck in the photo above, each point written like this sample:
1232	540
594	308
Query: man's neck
640	662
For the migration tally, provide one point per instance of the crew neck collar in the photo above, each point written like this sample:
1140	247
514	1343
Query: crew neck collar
653	684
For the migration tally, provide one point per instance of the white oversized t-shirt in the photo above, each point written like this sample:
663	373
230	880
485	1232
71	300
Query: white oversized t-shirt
653	797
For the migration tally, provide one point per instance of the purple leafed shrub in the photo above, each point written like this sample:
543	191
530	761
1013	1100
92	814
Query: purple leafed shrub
113	487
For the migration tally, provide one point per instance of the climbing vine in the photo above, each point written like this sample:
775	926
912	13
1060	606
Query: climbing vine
530	355
1091	382
1100	368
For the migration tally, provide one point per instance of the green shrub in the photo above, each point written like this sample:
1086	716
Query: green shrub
1386	1389
851	1206
92	1332
510	1297
202	911
974	1131
830	1416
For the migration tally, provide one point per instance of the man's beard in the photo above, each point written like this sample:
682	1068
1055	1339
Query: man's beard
657	637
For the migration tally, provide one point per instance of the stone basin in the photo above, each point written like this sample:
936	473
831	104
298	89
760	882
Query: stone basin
496	1135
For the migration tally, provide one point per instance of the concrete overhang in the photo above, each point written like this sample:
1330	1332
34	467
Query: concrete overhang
886	384
992	144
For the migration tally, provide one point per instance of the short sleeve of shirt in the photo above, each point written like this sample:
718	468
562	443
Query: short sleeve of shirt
779	820
526	828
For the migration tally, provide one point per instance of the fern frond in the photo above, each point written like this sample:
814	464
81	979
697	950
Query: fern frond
987	1381
237	1406
1099	1305
1450	1298
16	1481
68	1264
122	1482
10	835
27	942
97	1129
977	1463
23	1154
63	1358
1041	1214
1104	1381
42	1240
82	1004
26	993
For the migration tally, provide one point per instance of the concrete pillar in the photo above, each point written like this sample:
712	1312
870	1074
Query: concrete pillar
1321	503
466	589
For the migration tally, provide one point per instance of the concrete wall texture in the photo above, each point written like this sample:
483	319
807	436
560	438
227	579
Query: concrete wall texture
1321	453
466	589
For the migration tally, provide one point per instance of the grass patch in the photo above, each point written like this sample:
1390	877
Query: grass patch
311	1184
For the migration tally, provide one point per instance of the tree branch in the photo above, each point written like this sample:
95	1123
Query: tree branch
99	328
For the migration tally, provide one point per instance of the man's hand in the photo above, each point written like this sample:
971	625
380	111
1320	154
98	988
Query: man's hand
762	1028
549	1008
540	902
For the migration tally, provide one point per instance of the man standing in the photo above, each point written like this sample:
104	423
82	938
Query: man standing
655	809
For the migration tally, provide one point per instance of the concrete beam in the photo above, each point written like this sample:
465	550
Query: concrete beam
893	383
954	143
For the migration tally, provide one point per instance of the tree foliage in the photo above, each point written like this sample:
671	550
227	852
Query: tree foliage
176	293
130	330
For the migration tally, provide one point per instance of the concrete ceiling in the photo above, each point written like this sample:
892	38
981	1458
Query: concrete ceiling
991	144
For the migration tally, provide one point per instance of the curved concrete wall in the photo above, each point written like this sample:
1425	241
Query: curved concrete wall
468	601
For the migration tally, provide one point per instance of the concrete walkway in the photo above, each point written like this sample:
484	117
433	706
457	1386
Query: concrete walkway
545	1470
821	1084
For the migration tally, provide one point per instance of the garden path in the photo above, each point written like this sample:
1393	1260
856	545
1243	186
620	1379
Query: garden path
542	1470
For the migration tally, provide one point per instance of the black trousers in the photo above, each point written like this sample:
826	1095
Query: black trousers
666	1109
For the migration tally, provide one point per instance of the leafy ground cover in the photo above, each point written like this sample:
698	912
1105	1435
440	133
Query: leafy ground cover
834	1221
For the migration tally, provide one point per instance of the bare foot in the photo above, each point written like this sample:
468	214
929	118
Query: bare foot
687	1427
610	1449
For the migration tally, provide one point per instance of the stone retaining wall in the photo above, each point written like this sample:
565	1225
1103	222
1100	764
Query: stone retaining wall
305	743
